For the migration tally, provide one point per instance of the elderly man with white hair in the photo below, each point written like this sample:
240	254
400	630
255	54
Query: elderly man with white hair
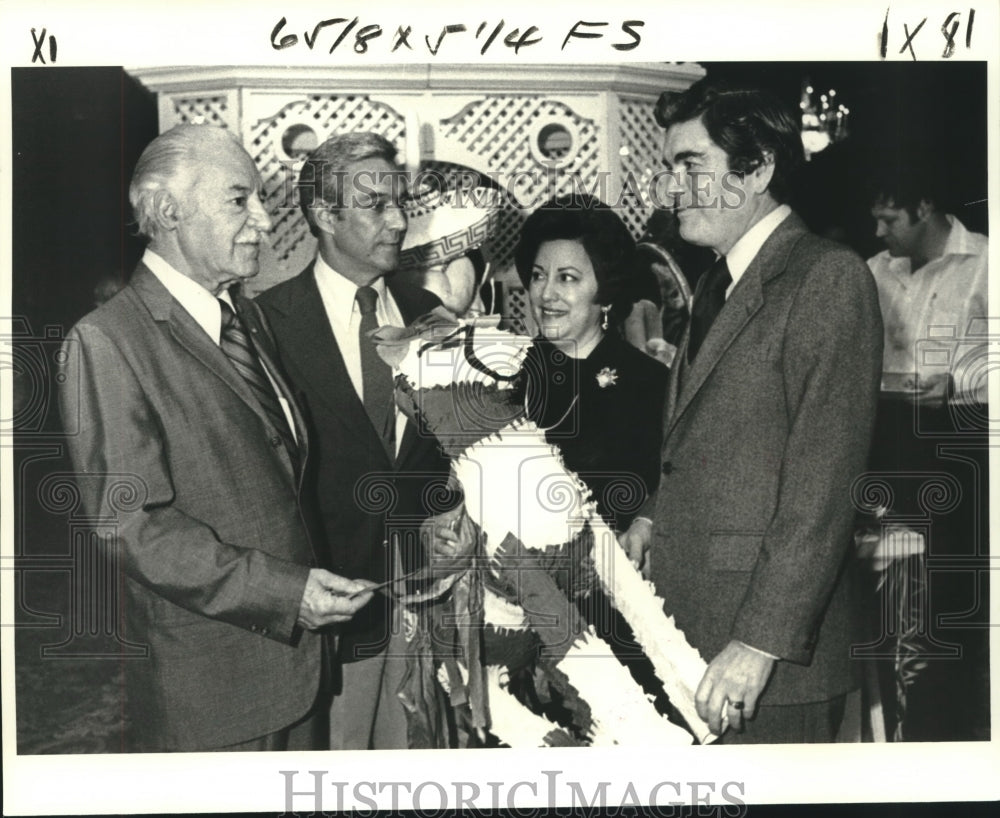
191	444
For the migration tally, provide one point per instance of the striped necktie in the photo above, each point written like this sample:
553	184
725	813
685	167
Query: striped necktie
235	343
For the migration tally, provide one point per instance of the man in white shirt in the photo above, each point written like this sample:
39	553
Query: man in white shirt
374	472
931	433
190	442
770	406
931	282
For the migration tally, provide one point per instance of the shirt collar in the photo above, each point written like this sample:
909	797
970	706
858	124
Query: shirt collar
342	290
745	250
960	241
198	302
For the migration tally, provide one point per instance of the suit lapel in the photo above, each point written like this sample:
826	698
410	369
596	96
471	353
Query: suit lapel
410	438
189	334
677	372
309	329
745	301
412	303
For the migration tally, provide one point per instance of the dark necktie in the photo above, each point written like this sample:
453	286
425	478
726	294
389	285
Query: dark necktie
236	345
376	374
708	301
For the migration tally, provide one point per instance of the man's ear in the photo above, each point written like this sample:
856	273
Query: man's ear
925	210
166	210
763	173
326	219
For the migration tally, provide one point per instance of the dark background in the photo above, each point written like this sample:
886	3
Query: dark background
76	137
897	109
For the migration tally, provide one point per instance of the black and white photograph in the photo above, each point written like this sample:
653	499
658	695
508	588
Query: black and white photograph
487	410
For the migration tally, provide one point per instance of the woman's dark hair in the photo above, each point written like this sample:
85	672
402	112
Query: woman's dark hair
604	236
745	122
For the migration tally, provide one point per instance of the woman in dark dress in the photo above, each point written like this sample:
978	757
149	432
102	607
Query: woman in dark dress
599	399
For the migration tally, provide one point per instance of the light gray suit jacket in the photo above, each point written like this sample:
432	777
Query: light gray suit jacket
174	448
764	435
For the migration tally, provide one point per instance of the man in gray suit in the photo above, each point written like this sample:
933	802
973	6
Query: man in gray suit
769	415
190	441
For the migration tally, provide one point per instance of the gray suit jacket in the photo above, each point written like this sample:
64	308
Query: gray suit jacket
764	435
174	448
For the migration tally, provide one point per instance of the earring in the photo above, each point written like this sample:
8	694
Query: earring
604	321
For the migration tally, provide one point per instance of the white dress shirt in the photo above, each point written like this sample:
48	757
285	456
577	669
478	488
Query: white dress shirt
204	308
932	315
339	296
748	245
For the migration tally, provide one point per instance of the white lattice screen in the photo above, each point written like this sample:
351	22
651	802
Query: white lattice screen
641	149
328	115
516	309
498	131
208	109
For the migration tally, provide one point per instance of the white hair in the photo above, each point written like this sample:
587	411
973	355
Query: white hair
163	166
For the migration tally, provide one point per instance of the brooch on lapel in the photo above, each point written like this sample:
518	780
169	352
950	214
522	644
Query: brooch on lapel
607	377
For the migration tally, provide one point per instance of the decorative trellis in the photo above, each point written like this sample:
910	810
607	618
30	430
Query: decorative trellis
516	308
203	109
327	115
639	157
602	118
499	130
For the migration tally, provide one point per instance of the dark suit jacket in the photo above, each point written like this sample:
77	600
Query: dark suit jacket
765	433
363	496
175	450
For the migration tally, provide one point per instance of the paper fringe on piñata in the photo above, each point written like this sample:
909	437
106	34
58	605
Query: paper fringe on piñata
543	544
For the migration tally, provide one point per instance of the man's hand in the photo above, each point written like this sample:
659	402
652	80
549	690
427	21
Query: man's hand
738	674
636	542
449	541
933	390
924	389
328	599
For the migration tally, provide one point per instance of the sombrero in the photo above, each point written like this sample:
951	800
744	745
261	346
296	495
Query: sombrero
446	225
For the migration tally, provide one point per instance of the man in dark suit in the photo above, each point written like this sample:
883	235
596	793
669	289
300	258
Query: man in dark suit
769	414
374	472
190	442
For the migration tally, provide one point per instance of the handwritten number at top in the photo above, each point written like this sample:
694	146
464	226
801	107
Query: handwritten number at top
39	40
